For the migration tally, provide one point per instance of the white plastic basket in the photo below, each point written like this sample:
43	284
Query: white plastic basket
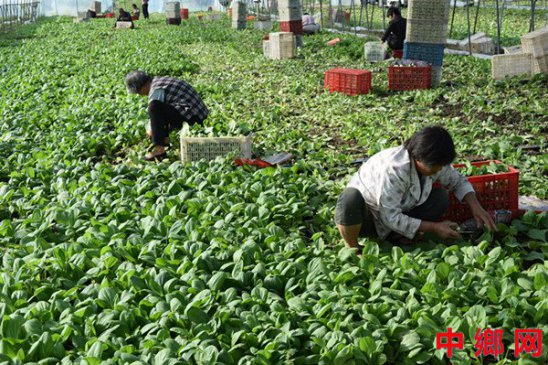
208	148
374	51
426	31
282	45
508	65
536	42
429	9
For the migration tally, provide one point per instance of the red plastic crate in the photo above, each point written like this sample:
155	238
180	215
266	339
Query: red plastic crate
294	26
409	77
494	191
397	53
183	13
348	81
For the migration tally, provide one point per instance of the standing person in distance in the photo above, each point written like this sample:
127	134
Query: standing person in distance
395	33
171	102
144	5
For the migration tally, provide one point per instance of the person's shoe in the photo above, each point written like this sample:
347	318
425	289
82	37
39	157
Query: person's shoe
156	153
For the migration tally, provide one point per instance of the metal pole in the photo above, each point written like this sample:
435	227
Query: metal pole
321	13
329	15
477	13
532	21
453	18
497	50
468	21
383	15
353	7
361	13
371	20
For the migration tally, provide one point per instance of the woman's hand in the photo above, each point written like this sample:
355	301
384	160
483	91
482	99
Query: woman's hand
483	218
445	231
479	214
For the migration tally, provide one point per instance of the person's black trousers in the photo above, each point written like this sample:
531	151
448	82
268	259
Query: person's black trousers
164	118
145	10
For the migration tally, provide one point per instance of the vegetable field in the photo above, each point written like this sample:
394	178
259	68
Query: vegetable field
106	259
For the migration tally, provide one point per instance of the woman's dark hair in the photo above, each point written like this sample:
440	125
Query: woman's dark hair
432	146
135	80
393	11
134	5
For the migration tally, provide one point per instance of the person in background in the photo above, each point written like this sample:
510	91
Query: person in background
171	102
309	24
123	16
395	33
144	5
391	196
135	13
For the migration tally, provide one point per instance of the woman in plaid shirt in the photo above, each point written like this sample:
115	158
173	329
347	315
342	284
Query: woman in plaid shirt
171	102
391	195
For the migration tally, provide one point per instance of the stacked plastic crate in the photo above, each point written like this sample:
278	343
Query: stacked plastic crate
95	6
427	33
239	15
536	43
531	58
173	13
279	46
291	18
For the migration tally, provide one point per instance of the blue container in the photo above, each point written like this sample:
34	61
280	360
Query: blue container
431	53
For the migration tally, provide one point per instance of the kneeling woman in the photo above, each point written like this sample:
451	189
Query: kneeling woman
392	196
171	102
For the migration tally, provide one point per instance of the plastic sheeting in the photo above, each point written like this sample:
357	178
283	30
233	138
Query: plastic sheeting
71	7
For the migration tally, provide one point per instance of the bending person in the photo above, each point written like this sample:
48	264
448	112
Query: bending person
391	196
123	16
171	102
309	24
395	33
135	12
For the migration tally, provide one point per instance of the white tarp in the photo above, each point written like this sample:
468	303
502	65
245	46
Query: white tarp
71	7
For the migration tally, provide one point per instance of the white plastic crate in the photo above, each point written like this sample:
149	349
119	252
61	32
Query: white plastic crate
483	45
540	64
95	6
436	73
173	15
536	42
82	15
508	65
239	24
282	45
374	51
173	6
289	4
208	148
239	11
266	48
426	31
289	14
123	25
429	9
263	24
